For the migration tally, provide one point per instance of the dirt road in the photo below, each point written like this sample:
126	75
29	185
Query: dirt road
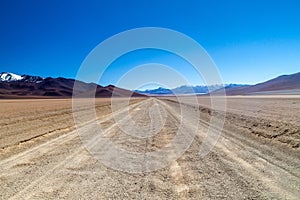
242	165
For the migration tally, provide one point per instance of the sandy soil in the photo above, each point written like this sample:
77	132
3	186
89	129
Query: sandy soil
257	156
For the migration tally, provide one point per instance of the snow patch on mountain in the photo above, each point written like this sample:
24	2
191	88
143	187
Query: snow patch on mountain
11	77
7	76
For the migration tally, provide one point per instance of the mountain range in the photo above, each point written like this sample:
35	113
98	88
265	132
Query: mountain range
26	86
285	84
185	90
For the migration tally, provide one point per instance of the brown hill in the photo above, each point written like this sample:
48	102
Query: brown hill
57	88
286	84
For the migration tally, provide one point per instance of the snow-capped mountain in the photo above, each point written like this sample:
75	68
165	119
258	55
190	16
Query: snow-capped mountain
26	86
11	77
34	79
7	76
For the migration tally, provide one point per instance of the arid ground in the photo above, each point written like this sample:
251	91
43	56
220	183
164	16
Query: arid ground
256	157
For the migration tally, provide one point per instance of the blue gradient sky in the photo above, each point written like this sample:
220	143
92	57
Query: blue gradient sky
250	41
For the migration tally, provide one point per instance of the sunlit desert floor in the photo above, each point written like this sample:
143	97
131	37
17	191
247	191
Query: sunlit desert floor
257	155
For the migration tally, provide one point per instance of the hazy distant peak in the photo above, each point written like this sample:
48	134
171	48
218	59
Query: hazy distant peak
187	89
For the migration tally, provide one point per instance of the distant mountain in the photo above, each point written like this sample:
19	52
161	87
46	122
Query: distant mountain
11	77
6	76
184	90
285	84
158	91
26	86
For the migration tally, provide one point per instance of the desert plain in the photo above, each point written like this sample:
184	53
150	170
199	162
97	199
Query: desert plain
257	155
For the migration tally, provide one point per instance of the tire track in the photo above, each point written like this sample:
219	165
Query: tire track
278	177
46	147
236	152
181	189
25	194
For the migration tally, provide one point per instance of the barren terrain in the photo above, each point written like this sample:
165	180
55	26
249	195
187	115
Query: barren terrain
256	157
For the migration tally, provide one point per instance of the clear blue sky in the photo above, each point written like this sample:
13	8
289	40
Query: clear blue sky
250	41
